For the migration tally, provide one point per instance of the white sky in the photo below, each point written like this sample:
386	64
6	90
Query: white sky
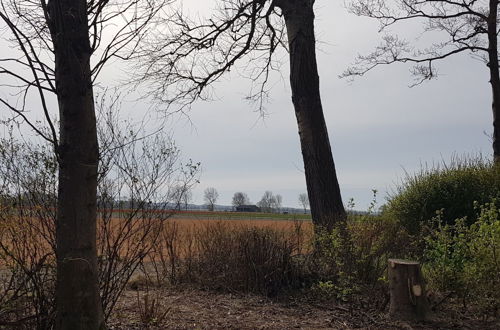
377	125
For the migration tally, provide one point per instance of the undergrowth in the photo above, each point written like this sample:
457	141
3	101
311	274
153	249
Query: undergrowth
464	261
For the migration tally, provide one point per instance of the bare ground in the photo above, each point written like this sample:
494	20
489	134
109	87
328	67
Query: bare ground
198	309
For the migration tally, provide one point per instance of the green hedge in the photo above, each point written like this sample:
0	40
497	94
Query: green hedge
452	188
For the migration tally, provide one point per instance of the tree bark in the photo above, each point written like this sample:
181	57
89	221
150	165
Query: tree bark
78	303
321	178
407	291
494	77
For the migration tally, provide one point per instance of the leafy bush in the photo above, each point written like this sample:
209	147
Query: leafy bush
452	188
465	260
327	290
376	239
343	263
332	265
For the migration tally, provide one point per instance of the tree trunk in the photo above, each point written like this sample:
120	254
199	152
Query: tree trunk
321	178
407	291
494	77
78	303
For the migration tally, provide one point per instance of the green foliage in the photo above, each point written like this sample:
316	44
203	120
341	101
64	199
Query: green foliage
375	239
327	290
452	188
357	256
445	255
331	264
245	216
466	259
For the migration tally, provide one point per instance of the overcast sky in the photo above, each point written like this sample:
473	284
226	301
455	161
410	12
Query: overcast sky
378	126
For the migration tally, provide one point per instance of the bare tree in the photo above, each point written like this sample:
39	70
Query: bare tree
270	202
186	198
467	26
181	195
240	198
210	195
304	201
189	55
55	41
266	202
278	200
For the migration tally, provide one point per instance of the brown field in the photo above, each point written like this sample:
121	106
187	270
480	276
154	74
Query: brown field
33	234
277	224
30	239
287	226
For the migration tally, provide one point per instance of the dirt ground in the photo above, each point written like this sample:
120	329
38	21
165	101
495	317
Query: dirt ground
196	309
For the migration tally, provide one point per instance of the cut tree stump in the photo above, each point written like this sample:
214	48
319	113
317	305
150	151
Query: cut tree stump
407	291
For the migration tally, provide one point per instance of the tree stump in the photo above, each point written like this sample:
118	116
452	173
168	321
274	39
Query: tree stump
407	291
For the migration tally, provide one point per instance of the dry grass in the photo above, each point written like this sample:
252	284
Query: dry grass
180	229
177	232
244	256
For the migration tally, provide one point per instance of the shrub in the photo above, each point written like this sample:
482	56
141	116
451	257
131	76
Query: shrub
143	167
170	253
452	188
243	259
331	264
376	238
345	263
466	260
27	235
151	307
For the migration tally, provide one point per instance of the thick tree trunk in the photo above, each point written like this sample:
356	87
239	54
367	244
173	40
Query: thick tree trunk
321	178
407	291
78	303
494	77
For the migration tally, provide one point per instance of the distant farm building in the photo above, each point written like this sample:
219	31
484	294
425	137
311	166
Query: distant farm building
247	208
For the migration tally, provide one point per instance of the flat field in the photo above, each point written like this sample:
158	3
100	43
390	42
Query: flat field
34	231
225	215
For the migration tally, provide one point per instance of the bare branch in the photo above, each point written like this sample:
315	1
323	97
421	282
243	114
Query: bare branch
394	50
187	56
464	23
28	23
34	63
21	114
